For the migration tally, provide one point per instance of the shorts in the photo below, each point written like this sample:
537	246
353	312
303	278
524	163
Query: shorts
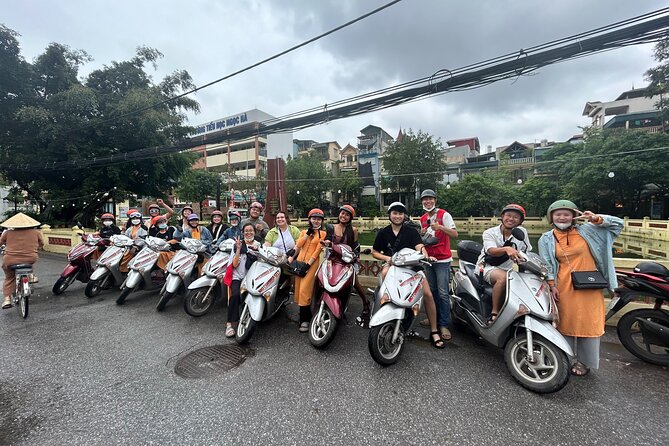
487	270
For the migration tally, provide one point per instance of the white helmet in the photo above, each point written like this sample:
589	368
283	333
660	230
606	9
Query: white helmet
397	206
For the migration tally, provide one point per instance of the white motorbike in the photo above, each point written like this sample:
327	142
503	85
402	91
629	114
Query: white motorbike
180	270
399	297
142	267
262	290
203	292
107	273
535	352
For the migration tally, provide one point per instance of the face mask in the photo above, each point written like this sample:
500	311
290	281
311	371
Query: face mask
429	210
135	221
562	226
162	225
107	223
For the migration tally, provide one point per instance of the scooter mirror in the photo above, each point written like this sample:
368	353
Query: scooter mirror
79	225
518	234
366	251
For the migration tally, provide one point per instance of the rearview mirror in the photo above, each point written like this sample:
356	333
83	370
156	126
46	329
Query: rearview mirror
518	234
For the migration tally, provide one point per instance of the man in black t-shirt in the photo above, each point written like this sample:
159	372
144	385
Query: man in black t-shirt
394	238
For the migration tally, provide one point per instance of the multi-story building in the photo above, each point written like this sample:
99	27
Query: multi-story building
349	159
372	143
631	110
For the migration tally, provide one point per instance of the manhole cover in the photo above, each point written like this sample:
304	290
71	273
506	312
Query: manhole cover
212	360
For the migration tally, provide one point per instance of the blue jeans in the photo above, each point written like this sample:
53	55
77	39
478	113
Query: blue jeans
438	276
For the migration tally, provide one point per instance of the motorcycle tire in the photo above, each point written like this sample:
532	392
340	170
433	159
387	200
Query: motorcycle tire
195	306
93	288
124	293
380	346
164	299
246	327
322	330
633	340
23	304
550	371
62	283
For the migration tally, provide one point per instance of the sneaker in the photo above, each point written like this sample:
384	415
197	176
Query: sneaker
304	327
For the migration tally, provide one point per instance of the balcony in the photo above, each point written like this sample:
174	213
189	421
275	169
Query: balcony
516	161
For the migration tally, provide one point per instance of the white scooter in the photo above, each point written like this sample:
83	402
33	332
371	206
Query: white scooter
262	291
536	354
399	297
180	269
141	268
107	273
203	292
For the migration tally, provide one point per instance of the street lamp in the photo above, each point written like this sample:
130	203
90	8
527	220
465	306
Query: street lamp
448	185
520	181
611	174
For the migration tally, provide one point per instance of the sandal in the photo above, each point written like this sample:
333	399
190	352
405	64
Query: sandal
438	342
491	319
579	369
445	333
229	331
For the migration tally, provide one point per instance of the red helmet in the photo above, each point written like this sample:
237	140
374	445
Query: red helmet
156	219
256	204
348	208
316	213
131	211
219	213
107	216
514	207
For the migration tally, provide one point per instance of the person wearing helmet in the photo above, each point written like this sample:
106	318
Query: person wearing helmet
196	231
185	212
344	232
109	227
439	223
392	239
135	231
22	241
307	253
217	226
235	230
154	210
500	251
570	247
128	223
160	229
262	228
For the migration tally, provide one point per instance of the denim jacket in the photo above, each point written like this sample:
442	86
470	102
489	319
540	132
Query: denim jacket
600	241
205	236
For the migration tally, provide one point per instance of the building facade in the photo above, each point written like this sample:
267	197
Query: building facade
631	110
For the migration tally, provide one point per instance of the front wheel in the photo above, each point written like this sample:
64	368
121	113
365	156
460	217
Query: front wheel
196	304
322	329
548	372
639	341
246	326
94	287
162	303
124	293
381	346
62	283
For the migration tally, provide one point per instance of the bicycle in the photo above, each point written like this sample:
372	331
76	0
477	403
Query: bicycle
21	296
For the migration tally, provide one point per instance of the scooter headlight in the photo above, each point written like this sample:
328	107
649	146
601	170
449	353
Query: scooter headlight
398	260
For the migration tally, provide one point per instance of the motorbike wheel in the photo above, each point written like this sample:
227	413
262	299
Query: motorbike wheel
124	293
631	336
163	300
194	304
547	374
246	326
62	283
23	305
93	288
322	330
380	344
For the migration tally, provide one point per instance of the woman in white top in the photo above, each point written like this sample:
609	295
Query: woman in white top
241	262
283	235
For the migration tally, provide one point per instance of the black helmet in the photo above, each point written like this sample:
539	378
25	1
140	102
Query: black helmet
652	268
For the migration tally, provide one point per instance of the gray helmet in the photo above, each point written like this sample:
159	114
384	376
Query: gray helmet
428	193
560	204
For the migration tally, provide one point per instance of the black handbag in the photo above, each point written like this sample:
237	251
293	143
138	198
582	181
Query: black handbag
299	268
587	280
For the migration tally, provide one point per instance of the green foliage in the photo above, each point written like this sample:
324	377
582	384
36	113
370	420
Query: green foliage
306	175
52	116
197	185
477	195
536	194
369	207
659	77
350	185
415	163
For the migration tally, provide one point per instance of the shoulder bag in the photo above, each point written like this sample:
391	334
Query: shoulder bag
584	280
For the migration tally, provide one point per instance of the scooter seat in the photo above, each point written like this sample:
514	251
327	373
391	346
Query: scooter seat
473	274
21	266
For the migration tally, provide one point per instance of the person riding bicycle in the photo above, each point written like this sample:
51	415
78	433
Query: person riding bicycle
22	240
344	233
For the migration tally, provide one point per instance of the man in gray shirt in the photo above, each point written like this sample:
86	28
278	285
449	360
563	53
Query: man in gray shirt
262	228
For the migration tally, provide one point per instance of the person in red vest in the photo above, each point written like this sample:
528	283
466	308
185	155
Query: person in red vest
438	223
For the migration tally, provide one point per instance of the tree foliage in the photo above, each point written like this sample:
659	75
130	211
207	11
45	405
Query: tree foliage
48	115
197	185
350	185
306	175
477	195
658	77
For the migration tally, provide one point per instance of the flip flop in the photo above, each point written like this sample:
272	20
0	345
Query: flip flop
579	369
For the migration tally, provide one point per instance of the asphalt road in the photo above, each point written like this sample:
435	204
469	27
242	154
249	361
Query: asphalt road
89	372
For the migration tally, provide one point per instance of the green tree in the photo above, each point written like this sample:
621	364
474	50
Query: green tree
306	182
414	163
350	185
659	78
536	194
197	185
52	117
478	195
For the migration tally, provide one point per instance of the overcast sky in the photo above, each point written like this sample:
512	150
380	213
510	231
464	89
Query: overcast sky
411	39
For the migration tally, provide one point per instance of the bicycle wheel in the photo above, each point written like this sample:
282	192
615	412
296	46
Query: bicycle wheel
22	299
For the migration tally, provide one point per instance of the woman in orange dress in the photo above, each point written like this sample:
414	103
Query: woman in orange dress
308	250
586	247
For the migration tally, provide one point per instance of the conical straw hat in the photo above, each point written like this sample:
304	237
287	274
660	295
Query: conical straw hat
19	221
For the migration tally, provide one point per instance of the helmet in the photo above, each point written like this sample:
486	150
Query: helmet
189	207
135	215
153	206
106	216
193	217
560	204
652	268
428	193
219	213
256	204
348	208
156	219
316	213
397	206
234	214
131	211
514	207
